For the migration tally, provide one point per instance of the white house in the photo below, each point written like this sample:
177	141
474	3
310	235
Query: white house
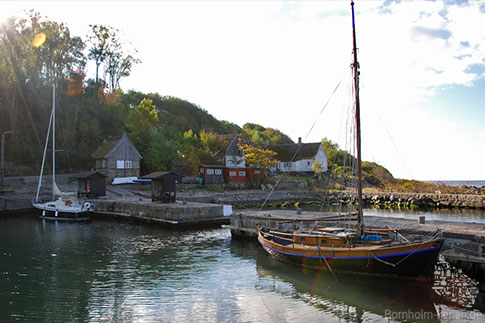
299	157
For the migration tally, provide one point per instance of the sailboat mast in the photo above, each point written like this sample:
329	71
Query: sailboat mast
355	67
53	141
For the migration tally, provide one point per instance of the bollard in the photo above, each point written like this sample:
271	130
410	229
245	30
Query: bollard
422	219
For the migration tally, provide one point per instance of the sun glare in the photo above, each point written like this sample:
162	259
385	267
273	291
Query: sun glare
39	40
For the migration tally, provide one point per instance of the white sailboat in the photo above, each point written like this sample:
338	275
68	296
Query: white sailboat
63	206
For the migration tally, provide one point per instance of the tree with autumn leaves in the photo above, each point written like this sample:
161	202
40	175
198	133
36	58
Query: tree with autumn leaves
257	156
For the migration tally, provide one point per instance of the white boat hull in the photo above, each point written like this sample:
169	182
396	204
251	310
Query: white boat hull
63	209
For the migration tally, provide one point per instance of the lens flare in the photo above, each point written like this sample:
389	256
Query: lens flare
75	85
39	40
108	98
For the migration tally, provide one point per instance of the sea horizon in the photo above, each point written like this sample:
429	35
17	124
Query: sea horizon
477	183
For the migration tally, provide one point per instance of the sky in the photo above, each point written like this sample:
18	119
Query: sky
277	64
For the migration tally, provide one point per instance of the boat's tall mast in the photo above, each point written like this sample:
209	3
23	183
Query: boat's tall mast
355	67
43	156
53	141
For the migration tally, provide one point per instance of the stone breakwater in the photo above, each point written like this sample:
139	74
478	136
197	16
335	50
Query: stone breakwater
435	200
258	197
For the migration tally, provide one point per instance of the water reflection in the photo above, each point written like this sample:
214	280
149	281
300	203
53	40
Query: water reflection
451	215
356	299
116	271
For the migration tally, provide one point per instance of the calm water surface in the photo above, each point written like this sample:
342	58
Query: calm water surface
121	272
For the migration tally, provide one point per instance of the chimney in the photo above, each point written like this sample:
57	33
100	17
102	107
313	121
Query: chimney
299	140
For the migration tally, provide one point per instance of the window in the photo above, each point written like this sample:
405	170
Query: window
242	173
210	172
218	171
256	172
120	164
232	173
287	164
103	163
308	163
128	164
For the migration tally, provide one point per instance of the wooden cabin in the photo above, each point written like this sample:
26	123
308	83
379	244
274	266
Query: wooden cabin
211	174
91	184
117	157
164	186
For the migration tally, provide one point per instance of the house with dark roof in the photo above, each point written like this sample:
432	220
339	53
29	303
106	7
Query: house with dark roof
117	157
233	156
91	184
164	185
299	157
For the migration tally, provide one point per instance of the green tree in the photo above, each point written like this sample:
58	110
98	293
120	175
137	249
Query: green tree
336	157
143	125
108	50
100	37
213	145
192	151
260	136
159	153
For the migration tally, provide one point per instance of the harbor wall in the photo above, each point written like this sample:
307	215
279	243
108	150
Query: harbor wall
19	196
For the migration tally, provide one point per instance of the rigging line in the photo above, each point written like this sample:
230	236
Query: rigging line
392	141
306	136
328	101
395	146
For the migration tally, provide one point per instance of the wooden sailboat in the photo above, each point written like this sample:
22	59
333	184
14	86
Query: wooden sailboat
357	250
63	206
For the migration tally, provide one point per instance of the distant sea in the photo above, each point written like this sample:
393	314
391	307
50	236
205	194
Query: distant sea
459	183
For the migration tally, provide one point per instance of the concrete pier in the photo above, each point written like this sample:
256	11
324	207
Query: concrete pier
464	245
131	202
175	214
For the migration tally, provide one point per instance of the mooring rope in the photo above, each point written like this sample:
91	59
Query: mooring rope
428	238
326	262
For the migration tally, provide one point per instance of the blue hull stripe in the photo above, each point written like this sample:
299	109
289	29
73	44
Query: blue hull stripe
298	255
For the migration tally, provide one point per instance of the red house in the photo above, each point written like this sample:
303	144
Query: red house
242	175
235	175
254	175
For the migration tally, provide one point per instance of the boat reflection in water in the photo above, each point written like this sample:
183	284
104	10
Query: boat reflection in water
354	298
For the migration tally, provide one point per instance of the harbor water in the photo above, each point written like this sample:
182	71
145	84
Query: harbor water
133	272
